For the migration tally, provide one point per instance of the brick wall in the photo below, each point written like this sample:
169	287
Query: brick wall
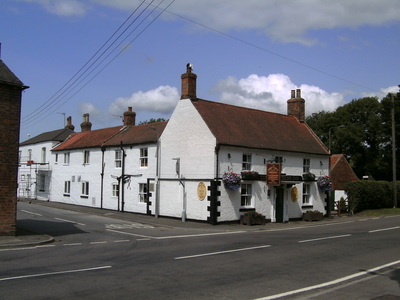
10	109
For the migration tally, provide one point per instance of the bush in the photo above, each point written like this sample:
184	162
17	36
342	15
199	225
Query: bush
368	194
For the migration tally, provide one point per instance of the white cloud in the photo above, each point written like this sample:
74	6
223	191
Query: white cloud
162	100
271	93
383	92
285	20
66	8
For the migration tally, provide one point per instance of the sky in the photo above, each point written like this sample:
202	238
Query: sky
100	56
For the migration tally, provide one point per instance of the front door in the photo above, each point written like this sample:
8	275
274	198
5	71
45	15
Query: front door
279	205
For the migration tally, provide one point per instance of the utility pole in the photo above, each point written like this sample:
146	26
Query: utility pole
394	155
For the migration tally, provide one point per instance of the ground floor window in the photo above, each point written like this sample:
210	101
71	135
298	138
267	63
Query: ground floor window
115	189
41	182
246	195
142	192
85	189
67	188
306	194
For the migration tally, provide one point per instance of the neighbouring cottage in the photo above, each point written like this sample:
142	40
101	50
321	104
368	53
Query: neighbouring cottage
10	107
35	163
206	142
111	168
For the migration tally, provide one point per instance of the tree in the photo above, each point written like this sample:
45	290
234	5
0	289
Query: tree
152	120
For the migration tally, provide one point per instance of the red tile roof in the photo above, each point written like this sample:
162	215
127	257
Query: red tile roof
245	127
113	136
341	171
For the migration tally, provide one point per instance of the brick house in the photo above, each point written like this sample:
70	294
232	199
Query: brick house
10	107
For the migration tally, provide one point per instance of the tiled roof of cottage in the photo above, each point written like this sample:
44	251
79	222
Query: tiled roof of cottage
7	76
245	127
113	136
58	135
341	171
139	134
88	139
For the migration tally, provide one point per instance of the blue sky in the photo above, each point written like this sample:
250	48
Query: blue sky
248	53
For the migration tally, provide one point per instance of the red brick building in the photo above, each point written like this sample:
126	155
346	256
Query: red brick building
10	110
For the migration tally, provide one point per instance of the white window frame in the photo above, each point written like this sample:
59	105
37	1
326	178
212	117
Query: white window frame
306	165
246	196
246	161
306	194
86	157
85	189
67	188
43	155
144	157
29	154
115	190
118	159
143	192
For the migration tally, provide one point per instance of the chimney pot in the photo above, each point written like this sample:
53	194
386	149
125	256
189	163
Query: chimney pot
188	83
293	94
296	106
86	125
298	93
129	117
69	123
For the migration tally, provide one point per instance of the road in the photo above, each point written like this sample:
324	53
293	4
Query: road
98	257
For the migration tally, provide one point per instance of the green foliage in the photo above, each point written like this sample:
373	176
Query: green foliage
366	138
152	120
368	194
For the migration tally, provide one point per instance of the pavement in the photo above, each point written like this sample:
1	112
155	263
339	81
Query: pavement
26	238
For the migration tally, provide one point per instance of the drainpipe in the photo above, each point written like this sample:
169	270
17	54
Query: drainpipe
122	193
102	177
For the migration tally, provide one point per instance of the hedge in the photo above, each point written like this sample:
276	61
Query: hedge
368	194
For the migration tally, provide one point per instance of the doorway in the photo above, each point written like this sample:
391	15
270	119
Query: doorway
279	201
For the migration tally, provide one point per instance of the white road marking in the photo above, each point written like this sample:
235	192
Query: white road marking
384	229
68	221
73	244
223	252
96	243
128	233
329	283
325	238
55	273
128	226
32	213
121	241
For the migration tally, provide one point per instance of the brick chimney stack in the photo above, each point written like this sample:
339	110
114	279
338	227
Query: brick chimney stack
188	83
69	123
129	117
296	106
86	125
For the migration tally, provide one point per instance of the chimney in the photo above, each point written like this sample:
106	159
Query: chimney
129	117
69	123
189	83
86	125
296	106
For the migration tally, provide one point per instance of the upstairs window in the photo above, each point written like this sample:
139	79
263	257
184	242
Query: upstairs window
118	159
29	154
86	156
246	164
66	158
306	165
279	159
43	156
143	157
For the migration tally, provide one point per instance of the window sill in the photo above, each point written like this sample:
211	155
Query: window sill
84	196
66	195
307	206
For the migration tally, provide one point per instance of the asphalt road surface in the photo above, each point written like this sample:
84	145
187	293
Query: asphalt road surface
98	257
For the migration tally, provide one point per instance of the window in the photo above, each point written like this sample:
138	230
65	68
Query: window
56	158
86	155
19	156
245	195
67	188
306	194
22	177
306	165
142	192
85	189
29	154
115	189
143	157
118	159
41	182
66	158
246	164
279	159
43	156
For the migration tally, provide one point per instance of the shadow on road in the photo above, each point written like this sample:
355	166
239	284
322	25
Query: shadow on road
51	228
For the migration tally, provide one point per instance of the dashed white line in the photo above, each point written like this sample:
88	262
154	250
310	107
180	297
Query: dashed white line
96	243
223	252
325	238
55	273
73	244
384	229
121	241
73	222
32	213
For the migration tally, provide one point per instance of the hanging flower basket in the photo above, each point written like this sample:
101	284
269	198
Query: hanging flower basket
324	184
308	176
231	180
